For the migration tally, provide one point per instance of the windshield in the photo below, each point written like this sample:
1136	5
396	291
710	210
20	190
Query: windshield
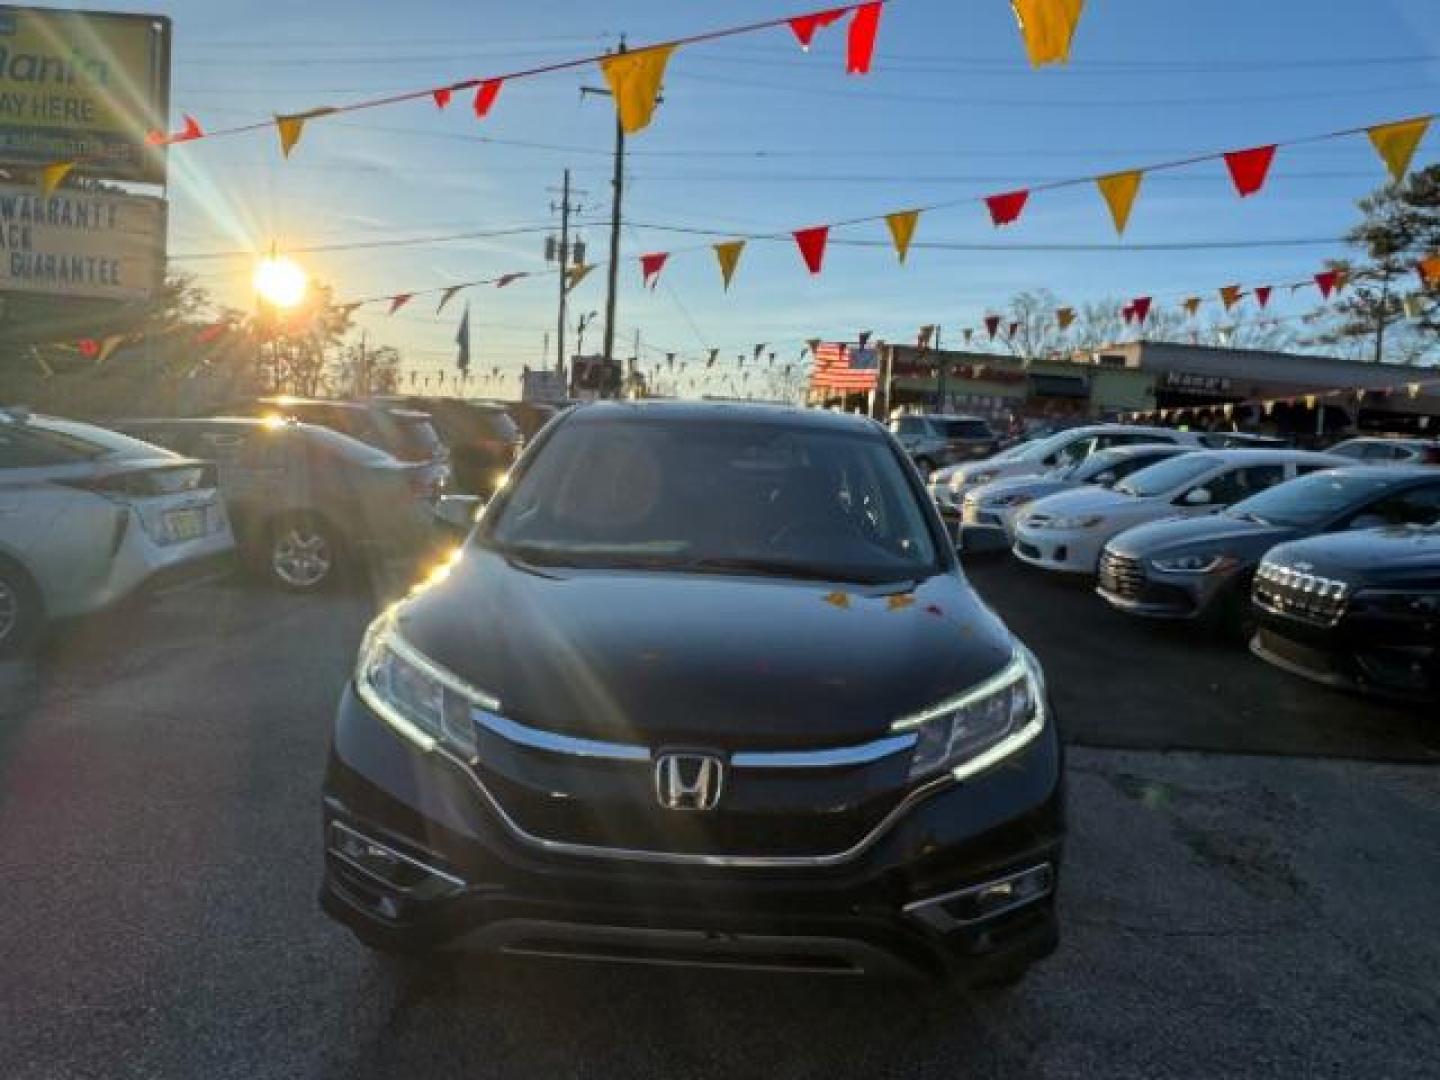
1311	500
1165	477
717	495
1038	451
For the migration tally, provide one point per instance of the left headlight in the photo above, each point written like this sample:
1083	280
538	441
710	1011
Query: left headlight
415	696
972	731
1193	564
1085	521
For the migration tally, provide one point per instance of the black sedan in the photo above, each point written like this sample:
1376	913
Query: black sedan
1359	611
705	687
1201	568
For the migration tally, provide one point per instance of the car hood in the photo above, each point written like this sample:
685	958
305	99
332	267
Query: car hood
1212	532
643	656
1394	552
1089	500
1035	486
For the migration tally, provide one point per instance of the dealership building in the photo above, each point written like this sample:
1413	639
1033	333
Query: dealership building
1192	385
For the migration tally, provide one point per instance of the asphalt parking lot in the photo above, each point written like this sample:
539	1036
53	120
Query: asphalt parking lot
1250	884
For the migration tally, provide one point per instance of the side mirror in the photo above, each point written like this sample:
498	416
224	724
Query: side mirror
1367	521
459	511
1197	497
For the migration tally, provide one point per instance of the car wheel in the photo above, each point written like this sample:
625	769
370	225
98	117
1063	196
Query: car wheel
926	466
303	554
20	614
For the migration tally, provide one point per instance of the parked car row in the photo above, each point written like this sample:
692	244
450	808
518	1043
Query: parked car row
1328	568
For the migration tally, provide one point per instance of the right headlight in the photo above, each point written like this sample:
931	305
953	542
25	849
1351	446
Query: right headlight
415	696
972	731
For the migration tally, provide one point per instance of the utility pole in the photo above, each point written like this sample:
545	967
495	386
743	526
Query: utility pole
617	184
560	254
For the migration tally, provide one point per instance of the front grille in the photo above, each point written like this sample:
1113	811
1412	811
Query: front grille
1121	575
1303	596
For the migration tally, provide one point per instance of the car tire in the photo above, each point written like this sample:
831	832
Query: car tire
21	611
926	467
303	554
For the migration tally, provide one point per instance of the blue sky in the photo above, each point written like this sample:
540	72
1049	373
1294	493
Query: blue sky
756	136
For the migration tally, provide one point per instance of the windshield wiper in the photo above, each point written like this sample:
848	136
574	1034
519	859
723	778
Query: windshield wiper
797	570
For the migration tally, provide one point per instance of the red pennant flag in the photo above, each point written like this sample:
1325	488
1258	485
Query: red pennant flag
397	302
1262	294
1429	271
863	27
650	267
1128	313
804	26
442	96
486	95
211	333
1006	208
992	324
1248	168
89	348
1325	281
190	132
1012	330
1141	307
506	279
812	246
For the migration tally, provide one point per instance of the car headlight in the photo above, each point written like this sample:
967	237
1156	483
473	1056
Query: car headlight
1084	521
960	480
1193	564
987	723
415	696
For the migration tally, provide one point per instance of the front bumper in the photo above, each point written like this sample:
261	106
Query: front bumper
1389	658
487	889
1067	551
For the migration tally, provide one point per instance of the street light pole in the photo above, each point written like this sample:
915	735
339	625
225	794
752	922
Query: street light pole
617	184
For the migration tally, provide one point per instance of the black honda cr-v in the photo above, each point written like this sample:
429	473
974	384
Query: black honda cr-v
706	685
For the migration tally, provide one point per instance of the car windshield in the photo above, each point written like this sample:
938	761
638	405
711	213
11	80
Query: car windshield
1039	451
1165	477
1313	499
722	496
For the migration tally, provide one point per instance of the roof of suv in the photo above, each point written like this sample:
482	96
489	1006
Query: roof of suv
720	412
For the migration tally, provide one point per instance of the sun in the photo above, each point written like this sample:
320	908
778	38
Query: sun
280	281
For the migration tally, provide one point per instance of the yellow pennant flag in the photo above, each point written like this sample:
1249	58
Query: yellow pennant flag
52	175
1047	27
1119	190
1230	296
1396	143
1064	317
576	274
1192	305
290	127
902	230
728	255
108	347
635	80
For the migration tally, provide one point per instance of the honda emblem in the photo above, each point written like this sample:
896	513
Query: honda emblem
689	781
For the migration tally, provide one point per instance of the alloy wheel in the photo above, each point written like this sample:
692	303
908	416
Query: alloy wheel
302	557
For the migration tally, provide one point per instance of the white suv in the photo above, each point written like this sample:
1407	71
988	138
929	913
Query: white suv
89	517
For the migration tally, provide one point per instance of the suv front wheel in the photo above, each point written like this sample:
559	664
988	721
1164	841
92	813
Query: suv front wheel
20	614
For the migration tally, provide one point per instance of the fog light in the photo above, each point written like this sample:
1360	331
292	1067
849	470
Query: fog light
389	867
981	902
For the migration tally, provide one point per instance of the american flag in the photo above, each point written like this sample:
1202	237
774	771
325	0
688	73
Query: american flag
847	368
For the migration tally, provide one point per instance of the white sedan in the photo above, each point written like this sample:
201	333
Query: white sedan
1066	532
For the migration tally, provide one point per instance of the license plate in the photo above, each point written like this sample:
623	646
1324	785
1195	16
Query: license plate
185	524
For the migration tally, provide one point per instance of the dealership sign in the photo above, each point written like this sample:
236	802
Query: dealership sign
85	87
81	244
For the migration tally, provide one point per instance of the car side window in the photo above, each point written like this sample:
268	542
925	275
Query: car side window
1237	484
25	448
1379	452
910	425
1076	451
1418	506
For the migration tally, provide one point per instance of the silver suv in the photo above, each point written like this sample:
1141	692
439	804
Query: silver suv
936	441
